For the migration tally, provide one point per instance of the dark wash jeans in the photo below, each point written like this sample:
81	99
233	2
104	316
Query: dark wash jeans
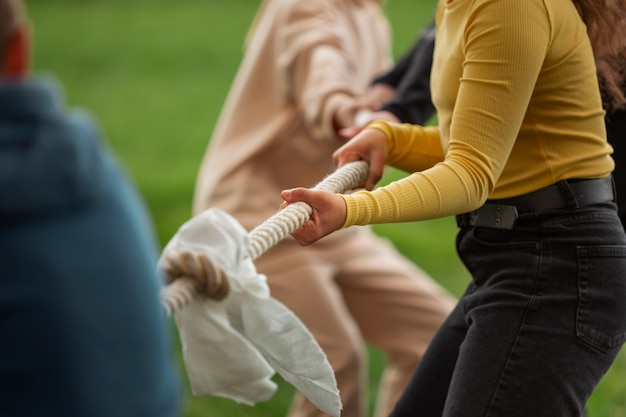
539	325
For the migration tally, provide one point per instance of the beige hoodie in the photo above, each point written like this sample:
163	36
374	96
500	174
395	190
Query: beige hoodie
302	59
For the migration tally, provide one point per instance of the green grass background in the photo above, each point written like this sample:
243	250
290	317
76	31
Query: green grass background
155	73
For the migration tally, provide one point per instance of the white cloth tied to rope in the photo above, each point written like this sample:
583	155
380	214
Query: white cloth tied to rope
233	347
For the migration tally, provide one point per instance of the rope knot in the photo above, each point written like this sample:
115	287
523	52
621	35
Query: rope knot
190	275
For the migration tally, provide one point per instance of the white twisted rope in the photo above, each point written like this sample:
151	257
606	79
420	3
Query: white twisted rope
178	294
281	224
188	275
195	274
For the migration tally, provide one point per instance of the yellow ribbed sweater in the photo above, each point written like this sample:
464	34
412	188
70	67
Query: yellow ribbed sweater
519	108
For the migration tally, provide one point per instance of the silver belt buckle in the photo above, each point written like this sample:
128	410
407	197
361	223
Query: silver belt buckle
494	216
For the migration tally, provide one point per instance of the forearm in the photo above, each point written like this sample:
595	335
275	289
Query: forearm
434	193
411	148
323	77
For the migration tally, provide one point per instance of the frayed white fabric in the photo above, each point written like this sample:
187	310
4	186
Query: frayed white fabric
233	347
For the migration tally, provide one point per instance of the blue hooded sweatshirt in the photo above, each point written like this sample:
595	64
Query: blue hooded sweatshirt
82	333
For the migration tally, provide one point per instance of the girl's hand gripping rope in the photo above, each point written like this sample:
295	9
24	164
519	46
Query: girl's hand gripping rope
328	215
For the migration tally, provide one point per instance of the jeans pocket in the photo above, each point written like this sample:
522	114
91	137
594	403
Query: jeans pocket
601	314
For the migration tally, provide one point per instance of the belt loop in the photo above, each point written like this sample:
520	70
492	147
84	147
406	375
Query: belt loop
568	194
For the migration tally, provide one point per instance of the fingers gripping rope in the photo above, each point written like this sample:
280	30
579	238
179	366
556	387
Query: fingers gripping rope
281	224
191	275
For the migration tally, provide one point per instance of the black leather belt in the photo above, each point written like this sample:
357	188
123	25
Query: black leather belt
503	214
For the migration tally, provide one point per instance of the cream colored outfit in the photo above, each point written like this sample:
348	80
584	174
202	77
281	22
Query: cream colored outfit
302	59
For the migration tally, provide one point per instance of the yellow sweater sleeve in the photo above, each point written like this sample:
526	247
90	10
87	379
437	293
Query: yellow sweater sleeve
507	125
410	147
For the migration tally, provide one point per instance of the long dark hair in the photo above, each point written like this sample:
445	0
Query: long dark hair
606	27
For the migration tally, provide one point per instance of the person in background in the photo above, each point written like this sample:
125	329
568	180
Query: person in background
403	92
520	157
615	121
83	333
303	60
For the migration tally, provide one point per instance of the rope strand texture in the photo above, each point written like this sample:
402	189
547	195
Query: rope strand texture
188	275
286	221
191	276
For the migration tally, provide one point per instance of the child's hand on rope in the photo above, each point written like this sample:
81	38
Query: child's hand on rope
370	145
329	213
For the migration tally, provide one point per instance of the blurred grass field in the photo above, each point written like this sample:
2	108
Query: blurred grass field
155	73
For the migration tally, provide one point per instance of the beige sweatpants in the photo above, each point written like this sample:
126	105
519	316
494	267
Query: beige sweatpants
353	287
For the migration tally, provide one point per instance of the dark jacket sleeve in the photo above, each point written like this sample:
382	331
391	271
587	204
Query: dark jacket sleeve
411	78
394	76
616	134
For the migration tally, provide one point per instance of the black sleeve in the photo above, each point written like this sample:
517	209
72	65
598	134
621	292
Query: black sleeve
412	100
394	76
616	134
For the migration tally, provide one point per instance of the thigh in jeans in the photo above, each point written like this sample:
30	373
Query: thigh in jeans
545	323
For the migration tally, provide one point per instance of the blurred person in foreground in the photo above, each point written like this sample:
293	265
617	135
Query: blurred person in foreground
279	128
83	333
520	156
